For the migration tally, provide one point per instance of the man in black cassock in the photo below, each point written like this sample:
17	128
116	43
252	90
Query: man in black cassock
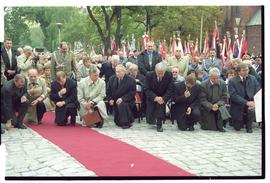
158	90
120	94
64	95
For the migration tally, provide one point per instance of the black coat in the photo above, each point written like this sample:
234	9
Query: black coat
237	95
143	61
152	89
181	103
70	98
10	95
6	61
107	70
126	90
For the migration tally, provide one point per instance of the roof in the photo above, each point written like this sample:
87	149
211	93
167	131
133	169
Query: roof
256	19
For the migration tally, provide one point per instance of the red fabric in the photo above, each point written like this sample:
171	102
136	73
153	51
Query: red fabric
104	155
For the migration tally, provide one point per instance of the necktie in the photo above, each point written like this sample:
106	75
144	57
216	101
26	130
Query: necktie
150	59
10	57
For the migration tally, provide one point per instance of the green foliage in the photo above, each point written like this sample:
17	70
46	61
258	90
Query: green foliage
77	25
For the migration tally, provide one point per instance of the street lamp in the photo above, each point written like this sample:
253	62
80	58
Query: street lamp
59	25
237	21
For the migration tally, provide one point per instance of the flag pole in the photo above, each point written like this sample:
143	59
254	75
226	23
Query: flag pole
201	34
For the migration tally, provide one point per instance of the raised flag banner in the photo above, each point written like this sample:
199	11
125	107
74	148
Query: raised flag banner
206	45
236	47
196	50
145	39
243	46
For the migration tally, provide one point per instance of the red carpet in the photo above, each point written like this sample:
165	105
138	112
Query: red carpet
104	155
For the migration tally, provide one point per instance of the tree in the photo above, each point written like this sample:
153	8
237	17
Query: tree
105	33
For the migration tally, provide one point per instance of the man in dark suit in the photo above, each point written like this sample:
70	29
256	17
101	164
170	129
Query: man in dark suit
148	59
186	98
9	57
14	99
212	61
158	90
120	94
64	95
242	89
108	68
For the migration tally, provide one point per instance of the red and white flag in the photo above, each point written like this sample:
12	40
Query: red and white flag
223	51
206	45
145	39
196	50
173	46
243	46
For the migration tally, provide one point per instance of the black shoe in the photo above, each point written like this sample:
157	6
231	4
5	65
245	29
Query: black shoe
2	131
222	130
21	127
160	129
99	125
126	126
60	124
249	131
191	129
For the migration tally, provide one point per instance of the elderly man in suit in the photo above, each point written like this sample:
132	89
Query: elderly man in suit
242	89
14	99
63	60
213	99
181	62
120	94
212	61
186	108
37	92
148	59
9	57
64	95
91	93
158	89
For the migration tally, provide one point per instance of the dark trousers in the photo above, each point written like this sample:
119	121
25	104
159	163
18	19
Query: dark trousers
187	121
123	115
21	108
62	115
41	109
248	118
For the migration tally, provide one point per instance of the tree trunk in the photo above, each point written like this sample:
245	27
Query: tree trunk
118	31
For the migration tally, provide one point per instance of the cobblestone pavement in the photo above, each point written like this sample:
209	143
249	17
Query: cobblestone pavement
204	153
29	154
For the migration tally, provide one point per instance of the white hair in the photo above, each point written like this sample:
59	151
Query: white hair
120	66
27	48
161	66
115	57
214	71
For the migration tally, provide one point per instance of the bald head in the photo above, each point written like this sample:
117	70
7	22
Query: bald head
33	75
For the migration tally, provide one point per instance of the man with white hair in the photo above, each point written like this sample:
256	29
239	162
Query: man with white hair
120	94
91	93
148	59
158	89
213	99
26	62
108	68
37	92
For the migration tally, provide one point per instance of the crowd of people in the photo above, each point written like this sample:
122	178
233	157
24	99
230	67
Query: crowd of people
183	88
